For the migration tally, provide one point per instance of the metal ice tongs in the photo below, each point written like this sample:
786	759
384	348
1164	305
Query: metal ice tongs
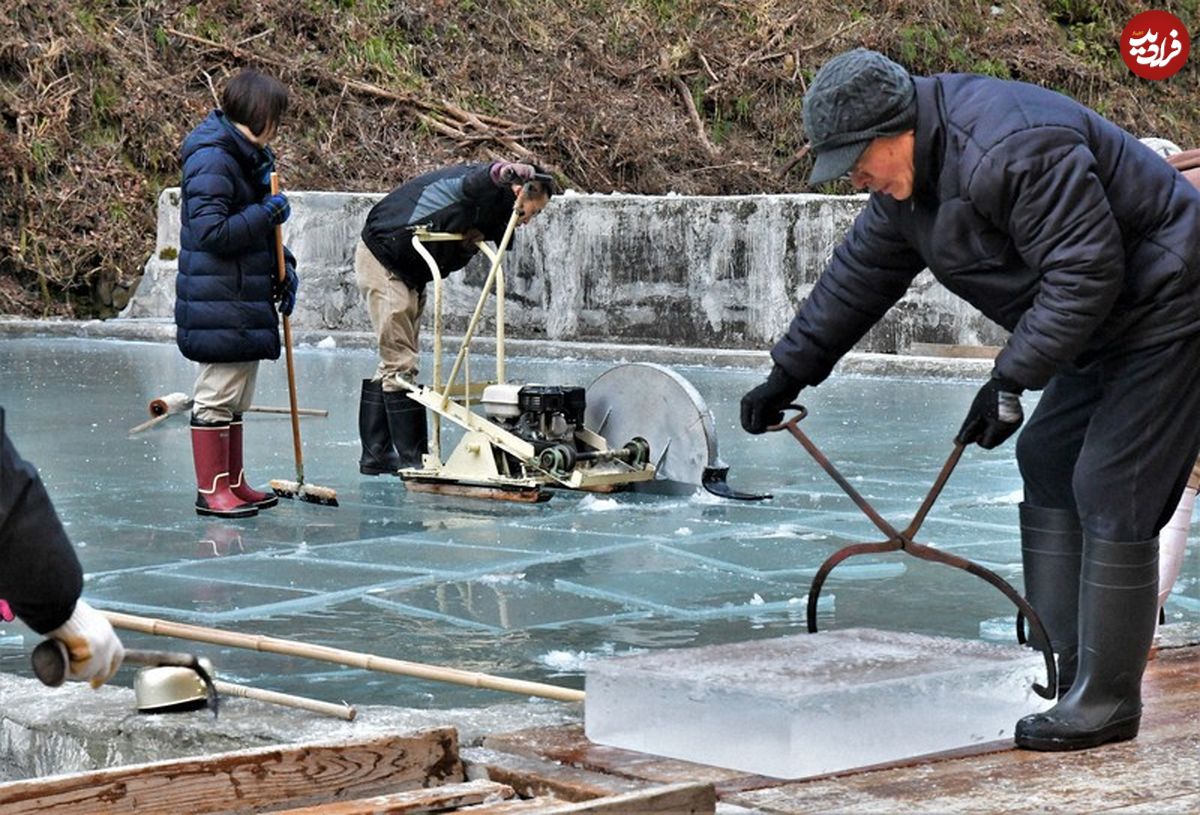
904	541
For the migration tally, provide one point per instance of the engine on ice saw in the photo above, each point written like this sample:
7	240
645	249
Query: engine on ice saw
551	418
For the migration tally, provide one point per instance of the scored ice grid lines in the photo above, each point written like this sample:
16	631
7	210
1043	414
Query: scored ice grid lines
500	603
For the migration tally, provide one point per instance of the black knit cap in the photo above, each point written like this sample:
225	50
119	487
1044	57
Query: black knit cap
854	98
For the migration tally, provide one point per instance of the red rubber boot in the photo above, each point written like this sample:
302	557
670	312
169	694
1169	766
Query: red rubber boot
237	473
210	454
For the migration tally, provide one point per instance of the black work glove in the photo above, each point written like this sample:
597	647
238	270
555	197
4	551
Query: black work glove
994	415
285	290
763	406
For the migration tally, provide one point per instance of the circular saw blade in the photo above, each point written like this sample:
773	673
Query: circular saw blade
652	401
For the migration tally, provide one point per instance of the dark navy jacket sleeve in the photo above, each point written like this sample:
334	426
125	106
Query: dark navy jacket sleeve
219	223
868	273
478	185
1043	188
40	575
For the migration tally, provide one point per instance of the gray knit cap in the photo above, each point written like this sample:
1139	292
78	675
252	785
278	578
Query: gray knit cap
855	97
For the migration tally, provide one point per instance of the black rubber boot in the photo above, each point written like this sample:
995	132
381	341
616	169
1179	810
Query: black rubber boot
1052	555
378	455
1117	603
408	426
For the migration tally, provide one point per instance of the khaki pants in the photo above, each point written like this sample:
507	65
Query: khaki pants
223	389
395	312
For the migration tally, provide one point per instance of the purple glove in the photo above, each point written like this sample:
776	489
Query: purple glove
504	173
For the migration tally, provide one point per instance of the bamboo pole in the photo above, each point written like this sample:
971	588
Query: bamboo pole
149	423
299	410
342	711
354	659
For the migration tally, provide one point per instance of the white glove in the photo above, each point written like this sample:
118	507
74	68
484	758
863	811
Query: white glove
93	649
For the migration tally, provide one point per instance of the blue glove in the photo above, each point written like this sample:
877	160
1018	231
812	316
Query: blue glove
277	207
285	290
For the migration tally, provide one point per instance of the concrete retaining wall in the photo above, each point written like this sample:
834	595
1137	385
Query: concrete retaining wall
722	272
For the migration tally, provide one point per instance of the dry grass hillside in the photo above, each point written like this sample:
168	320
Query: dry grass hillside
650	96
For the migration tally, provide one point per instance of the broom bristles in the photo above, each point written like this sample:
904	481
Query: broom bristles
319	495
285	489
305	492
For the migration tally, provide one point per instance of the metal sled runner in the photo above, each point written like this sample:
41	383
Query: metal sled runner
904	541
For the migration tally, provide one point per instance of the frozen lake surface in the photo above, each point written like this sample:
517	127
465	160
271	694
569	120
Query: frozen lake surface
526	591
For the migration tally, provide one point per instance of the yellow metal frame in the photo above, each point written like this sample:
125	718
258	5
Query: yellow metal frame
474	458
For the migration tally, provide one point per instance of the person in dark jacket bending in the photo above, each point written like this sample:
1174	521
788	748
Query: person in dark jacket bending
228	283
40	575
1081	242
475	200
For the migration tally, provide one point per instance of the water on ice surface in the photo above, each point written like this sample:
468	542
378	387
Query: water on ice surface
492	586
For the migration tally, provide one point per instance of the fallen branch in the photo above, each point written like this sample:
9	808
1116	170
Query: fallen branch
694	114
787	168
434	115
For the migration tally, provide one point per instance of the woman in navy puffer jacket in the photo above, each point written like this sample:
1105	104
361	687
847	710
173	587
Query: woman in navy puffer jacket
225	291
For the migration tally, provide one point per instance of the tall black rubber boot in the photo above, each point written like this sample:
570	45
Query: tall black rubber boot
1052	555
1117	604
409	427
378	455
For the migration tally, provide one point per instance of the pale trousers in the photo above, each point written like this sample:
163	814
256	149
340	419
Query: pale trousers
222	390
395	312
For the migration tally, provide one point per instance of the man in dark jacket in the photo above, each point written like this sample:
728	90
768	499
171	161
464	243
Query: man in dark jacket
228	281
40	576
1081	242
475	200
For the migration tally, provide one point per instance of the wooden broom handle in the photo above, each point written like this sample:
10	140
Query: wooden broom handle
354	659
287	346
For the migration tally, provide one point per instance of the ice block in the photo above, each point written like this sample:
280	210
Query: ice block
810	704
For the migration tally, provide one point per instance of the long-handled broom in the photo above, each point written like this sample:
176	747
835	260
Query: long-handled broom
297	488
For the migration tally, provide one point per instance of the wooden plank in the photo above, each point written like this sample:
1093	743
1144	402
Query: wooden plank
1158	771
936	349
569	745
247	780
676	799
537	777
1015	781
520	806
451	796
1173	805
524	495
